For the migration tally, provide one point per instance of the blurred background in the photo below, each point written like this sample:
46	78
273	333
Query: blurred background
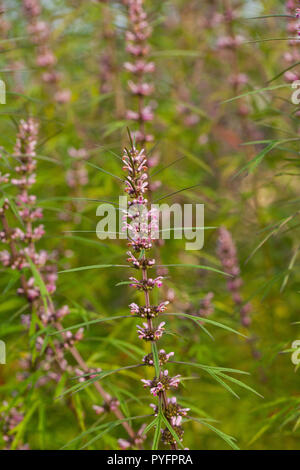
225	133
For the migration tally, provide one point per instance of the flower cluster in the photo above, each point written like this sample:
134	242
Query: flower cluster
77	175
173	410
149	333
148	312
163	358
25	156
112	404
227	253
107	60
167	436
39	32
230	42
137	441
71	338
162	383
190	118
206	306
293	28
137	46
146	284
136	185
82	376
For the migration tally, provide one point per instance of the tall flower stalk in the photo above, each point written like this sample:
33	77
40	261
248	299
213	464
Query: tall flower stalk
227	254
139	67
141	223
46	60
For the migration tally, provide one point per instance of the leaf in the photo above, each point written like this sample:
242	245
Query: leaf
254	162
113	127
198	266
255	92
123	283
157	432
213	368
95	266
175	53
269	16
96	438
91	322
21	427
283	72
42	425
160	170
149	427
174	434
103	426
155	359
41	285
228	439
97	376
284	222
241	384
206	320
14	209
224	384
104	171
290	268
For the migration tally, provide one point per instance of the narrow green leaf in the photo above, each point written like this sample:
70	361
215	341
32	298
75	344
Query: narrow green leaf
90	322
174	434
206	320
228	439
157	433
95	266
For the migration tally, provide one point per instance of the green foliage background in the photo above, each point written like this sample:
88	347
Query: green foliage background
191	71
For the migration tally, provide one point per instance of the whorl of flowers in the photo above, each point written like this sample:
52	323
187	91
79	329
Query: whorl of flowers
139	66
142	223
39	32
173	411
227	253
77	175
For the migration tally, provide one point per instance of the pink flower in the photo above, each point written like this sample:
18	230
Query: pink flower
5	258
142	89
46	58
98	409
124	444
40	31
32	7
63	96
162	383
150	334
139	67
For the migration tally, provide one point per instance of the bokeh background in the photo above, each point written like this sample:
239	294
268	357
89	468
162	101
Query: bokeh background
241	158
